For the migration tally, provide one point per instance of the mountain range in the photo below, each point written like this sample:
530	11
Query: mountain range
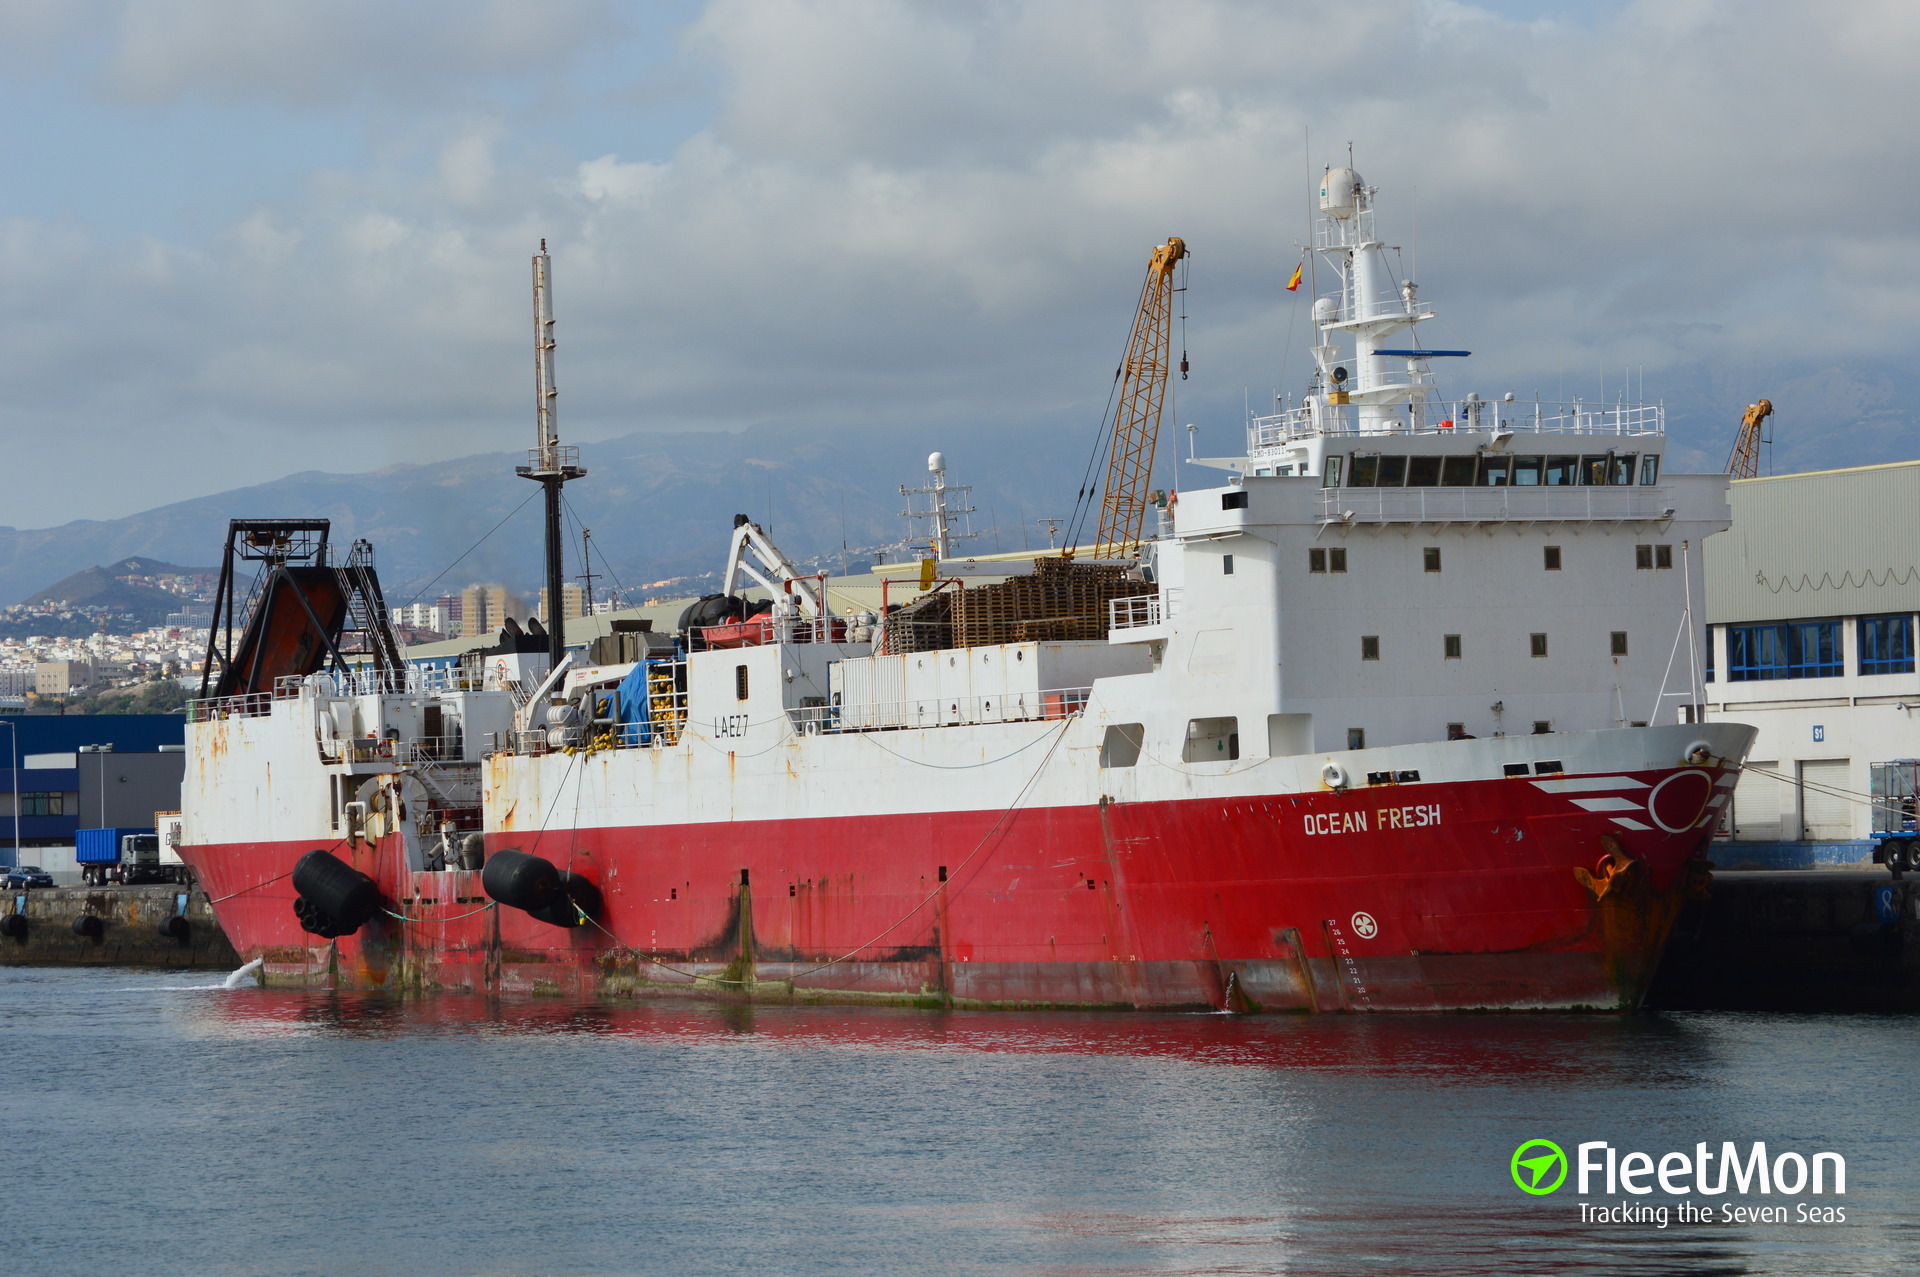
661	505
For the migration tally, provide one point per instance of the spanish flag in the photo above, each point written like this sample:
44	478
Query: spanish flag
1294	283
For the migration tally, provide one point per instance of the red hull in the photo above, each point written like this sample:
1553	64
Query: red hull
1483	894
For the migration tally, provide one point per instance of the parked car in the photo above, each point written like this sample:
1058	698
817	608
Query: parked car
27	876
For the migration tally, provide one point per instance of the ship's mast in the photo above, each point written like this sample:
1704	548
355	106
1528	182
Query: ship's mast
549	464
1372	306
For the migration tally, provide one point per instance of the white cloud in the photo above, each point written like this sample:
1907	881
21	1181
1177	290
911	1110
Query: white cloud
905	212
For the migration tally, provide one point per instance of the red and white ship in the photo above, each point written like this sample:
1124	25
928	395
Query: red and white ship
1386	721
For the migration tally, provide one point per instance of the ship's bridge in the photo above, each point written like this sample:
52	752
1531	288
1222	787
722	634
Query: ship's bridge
1470	459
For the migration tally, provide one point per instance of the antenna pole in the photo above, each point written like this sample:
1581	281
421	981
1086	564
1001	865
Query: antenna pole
549	464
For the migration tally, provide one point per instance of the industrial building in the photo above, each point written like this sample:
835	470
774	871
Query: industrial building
1812	596
62	773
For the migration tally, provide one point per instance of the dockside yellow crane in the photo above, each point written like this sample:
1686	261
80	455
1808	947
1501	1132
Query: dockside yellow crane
1143	397
1744	461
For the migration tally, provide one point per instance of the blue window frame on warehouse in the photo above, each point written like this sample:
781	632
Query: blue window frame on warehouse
1886	644
1802	649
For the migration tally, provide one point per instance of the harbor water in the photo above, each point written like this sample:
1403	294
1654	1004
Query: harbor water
165	1123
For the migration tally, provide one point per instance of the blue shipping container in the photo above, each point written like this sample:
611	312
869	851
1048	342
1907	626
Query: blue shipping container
101	846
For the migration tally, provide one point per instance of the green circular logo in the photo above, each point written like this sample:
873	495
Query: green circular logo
1533	1162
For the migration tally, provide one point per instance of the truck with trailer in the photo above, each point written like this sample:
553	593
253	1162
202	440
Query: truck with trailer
119	855
1894	788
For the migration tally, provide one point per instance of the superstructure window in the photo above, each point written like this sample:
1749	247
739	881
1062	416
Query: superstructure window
1805	649
1369	647
1618	642
1662	556
1120	747
1234	500
1537	644
1550	557
1337	559
1330	474
1316	560
1886	644
1212	740
1226	565
1430	558
1648	557
739	682
1709	674
1450	646
1356	738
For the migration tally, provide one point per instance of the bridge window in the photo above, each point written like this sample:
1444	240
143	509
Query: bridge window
1622	470
1650	468
1423	472
1330	473
1561	472
1886	645
1366	471
1457	472
1234	500
1527	471
1393	472
1495	471
1594	471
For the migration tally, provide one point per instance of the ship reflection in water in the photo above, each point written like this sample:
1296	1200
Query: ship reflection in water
205	1130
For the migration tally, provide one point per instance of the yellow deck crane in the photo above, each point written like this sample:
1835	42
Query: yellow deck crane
1744	462
1143	396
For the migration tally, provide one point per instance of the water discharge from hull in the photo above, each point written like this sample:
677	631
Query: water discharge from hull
248	974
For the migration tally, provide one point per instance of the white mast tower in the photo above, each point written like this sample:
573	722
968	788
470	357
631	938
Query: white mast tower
1385	383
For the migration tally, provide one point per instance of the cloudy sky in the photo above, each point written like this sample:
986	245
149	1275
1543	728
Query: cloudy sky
238	240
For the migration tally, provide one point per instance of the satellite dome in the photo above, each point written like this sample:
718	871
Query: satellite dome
1325	310
936	461
1340	193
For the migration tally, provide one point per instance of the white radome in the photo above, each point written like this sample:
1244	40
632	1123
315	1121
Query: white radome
1339	193
936	462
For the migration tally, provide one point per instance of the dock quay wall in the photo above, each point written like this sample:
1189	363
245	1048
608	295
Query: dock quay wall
1795	940
131	927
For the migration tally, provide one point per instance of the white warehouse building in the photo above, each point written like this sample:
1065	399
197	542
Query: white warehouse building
1812	596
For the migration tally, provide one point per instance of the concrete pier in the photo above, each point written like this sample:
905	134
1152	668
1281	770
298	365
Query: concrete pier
1795	940
133	927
